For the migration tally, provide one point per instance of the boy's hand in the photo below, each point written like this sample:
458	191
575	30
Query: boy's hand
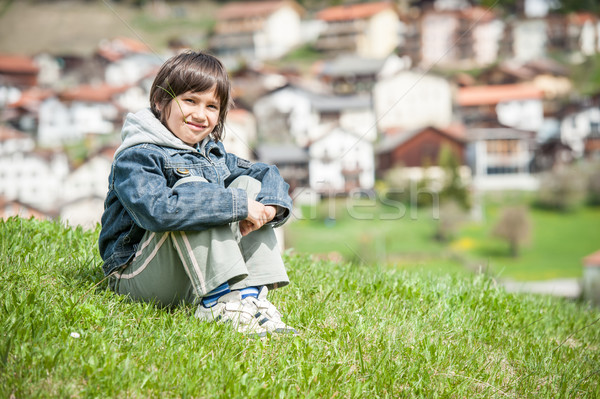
258	215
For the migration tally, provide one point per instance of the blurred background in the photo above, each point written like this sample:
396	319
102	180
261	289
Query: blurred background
443	134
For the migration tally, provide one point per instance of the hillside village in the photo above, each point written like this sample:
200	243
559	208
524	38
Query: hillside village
390	90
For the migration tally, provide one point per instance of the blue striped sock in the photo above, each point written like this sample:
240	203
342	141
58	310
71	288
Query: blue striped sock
249	291
210	299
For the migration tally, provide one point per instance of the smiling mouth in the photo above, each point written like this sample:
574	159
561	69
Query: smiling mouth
196	126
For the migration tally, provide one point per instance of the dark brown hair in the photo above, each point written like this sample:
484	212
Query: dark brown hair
195	72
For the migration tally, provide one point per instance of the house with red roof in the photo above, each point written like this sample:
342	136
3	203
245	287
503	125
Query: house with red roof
369	30
77	112
12	208
515	105
114	49
12	140
502	124
583	33
257	30
18	71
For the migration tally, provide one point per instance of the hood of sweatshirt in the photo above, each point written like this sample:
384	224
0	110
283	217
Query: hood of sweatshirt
144	128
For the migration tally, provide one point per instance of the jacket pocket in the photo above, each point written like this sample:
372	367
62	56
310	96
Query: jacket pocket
189	179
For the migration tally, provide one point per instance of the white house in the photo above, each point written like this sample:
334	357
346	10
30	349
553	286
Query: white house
438	38
500	158
305	116
467	37
487	36
12	141
78	112
89	179
370	30
583	30
576	126
530	39
515	105
412	100
257	30
33	177
85	212
341	161
240	132
132	68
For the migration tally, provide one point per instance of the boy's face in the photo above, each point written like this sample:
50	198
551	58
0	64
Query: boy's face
192	116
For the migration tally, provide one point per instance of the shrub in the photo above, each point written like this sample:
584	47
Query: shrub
563	189
513	226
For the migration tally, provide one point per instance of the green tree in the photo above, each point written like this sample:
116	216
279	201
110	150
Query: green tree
453	189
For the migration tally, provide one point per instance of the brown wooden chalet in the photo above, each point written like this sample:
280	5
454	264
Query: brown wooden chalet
417	148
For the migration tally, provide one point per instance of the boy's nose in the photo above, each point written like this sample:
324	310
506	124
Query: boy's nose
199	113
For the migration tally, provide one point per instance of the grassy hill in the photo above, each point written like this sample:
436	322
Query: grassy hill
366	331
77	27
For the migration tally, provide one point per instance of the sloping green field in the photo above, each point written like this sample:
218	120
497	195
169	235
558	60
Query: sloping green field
366	331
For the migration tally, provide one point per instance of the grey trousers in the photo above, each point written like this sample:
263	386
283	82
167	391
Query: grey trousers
183	266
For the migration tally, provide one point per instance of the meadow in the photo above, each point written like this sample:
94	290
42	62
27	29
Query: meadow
371	231
367	330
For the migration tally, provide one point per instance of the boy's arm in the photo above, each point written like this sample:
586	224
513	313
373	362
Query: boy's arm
274	189
197	205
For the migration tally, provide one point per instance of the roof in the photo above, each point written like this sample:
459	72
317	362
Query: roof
353	11
239	115
580	18
494	94
396	138
499	132
115	49
327	103
17	64
284	153
592	259
323	102
92	93
351	65
31	98
252	9
8	133
479	14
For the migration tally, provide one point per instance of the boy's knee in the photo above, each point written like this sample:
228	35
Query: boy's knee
248	184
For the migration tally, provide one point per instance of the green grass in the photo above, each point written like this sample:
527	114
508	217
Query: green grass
363	229
366	331
369	232
559	242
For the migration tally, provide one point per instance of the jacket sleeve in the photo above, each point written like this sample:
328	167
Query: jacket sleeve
274	189
142	188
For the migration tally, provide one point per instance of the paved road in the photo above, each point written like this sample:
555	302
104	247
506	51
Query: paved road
568	288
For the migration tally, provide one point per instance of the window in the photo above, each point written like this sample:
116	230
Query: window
502	147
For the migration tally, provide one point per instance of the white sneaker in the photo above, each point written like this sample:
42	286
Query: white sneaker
231	309
267	314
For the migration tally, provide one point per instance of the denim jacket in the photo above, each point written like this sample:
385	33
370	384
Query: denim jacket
158	183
